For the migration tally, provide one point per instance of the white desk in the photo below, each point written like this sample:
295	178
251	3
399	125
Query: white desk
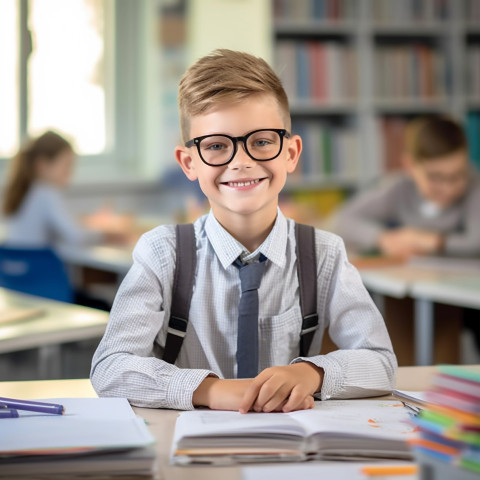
116	260
59	323
427	282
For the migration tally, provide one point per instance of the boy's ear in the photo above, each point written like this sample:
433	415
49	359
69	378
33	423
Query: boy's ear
294	150
184	159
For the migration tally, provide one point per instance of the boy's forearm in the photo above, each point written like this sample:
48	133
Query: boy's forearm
201	396
220	394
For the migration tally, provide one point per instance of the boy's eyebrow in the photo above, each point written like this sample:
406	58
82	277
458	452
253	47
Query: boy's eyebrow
216	132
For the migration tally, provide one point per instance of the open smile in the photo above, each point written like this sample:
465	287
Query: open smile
243	184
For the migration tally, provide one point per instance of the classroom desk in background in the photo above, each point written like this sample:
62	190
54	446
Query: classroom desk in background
162	422
443	280
56	323
114	259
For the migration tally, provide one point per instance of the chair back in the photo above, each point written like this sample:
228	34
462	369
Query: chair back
36	271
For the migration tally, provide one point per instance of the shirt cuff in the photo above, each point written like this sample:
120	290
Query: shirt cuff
332	378
182	385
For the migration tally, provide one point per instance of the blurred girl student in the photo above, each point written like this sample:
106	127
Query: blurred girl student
34	208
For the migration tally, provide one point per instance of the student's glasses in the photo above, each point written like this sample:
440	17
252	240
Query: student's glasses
260	145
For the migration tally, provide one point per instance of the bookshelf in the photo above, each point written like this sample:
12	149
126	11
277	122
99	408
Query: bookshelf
357	70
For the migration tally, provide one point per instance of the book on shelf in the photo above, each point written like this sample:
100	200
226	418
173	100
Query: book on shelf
94	436
333	430
410	71
473	135
315	10
393	12
321	72
328	151
473	71
390	135
472	11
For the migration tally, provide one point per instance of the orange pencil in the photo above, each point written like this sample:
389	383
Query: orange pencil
381	470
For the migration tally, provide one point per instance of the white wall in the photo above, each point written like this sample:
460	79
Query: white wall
243	25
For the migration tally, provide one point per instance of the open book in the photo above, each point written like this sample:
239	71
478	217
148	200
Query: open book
335	429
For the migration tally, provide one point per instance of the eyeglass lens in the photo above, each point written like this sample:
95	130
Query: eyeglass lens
261	145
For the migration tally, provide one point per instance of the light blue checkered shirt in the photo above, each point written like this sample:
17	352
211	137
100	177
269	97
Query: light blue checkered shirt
128	361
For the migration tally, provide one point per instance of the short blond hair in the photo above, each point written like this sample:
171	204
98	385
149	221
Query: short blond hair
433	137
226	76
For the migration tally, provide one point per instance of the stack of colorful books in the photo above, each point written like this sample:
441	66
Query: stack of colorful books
449	427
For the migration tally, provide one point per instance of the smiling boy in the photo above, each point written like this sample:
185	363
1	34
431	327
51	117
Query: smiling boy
237	144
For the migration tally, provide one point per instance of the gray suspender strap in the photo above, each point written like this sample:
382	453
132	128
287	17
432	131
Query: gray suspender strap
182	290
186	258
307	278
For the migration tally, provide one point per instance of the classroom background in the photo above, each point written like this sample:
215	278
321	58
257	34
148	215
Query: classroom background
105	73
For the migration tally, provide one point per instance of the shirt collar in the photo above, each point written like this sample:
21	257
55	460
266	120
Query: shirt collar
228	249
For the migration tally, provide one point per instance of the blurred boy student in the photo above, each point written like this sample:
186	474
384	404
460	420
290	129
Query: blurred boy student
433	207
237	144
33	205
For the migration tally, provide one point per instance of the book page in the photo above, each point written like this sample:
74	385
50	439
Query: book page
370	418
212	423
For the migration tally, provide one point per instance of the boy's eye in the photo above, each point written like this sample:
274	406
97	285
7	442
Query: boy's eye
261	143
215	147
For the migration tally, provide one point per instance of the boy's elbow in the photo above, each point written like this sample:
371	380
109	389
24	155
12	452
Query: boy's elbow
390	367
102	379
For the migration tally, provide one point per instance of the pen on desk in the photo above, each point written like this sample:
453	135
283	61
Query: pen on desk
6	412
412	408
382	470
40	407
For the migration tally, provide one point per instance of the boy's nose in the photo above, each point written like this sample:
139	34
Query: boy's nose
241	159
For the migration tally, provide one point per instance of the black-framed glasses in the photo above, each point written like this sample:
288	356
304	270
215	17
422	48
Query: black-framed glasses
260	145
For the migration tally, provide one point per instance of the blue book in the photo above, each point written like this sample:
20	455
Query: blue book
473	135
303	71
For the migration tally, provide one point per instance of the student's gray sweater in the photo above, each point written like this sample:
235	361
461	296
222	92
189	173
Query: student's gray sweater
396	202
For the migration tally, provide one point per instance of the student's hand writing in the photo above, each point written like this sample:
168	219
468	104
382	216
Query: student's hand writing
285	389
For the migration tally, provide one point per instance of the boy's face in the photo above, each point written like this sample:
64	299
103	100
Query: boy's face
244	186
443	181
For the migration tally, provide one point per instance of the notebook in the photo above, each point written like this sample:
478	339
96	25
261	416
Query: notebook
95	435
333	430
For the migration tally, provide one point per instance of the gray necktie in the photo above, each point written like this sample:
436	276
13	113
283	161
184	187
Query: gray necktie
247	340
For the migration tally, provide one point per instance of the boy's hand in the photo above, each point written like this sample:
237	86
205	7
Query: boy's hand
220	394
283	389
405	242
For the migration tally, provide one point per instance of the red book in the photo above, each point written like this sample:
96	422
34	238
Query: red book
315	69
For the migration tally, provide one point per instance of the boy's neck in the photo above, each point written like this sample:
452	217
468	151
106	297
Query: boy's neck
250	230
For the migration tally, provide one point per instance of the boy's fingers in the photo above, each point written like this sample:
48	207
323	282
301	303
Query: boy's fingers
250	395
277	400
271	392
296	401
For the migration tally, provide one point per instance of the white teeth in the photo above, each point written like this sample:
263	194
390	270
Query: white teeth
243	184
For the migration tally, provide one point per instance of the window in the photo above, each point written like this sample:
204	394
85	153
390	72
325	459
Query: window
67	78
9	78
77	67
